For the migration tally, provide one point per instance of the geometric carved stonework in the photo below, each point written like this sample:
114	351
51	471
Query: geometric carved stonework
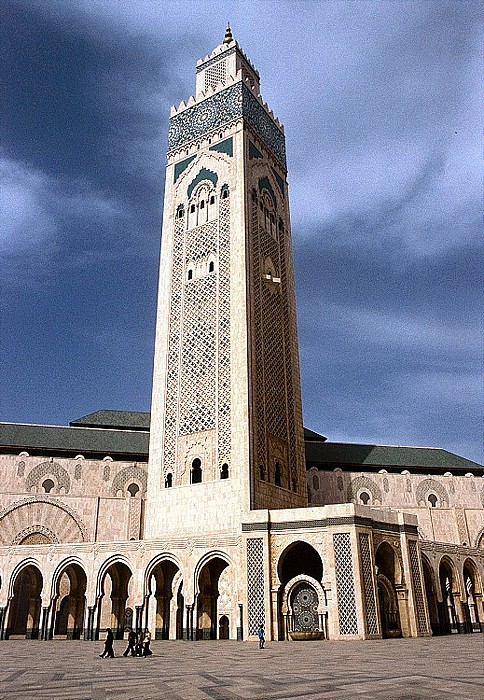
417	586
345	584
36	534
428	486
363	482
127	475
368	587
255	584
43	515
35	476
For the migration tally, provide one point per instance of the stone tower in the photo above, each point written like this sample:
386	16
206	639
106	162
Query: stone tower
226	420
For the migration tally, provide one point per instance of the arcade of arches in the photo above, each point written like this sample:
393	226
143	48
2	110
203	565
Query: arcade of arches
202	600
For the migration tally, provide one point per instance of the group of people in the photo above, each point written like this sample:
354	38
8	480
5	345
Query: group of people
138	644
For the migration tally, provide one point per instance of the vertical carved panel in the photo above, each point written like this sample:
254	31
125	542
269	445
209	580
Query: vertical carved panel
223	398
345	583
199	333
169	445
368	587
418	588
255	584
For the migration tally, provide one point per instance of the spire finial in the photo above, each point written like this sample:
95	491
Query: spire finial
228	35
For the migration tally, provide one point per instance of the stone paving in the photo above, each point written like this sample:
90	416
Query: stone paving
403	669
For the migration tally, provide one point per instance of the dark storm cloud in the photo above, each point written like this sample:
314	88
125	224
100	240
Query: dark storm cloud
380	101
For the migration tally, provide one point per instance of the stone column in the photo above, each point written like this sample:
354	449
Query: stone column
139	617
3	622
240	628
459	612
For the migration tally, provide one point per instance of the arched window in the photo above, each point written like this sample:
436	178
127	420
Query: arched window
211	266
277	474
192	209
212	199
190	274
225	192
196	472
294	485
364	498
224	472
48	485
432	499
133	489
202	204
262	472
180	212
169	481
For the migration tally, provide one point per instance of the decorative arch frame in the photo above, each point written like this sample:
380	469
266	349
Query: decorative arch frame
60	570
286	549
479	544
293	583
32	529
477	581
101	574
399	571
51	501
128	475
36	474
205	559
24	564
428	486
367	484
456	582
153	563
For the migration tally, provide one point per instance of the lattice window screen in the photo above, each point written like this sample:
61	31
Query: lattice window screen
345	584
417	584
215	74
368	587
255	584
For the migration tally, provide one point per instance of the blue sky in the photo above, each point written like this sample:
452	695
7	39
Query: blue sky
380	101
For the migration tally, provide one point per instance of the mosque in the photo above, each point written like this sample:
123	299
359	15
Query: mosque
218	512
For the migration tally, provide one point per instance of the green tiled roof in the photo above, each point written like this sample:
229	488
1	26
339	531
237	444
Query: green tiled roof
310	436
85	441
333	454
124	420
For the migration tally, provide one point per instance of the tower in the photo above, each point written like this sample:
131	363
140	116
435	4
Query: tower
226	421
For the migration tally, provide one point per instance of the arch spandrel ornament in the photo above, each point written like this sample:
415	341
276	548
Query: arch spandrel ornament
363	482
431	486
124	477
23	518
36	475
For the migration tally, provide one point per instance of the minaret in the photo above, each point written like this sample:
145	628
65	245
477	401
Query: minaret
226	421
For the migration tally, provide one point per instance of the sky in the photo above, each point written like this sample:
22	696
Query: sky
380	103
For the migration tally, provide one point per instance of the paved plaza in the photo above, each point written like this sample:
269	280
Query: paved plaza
401	669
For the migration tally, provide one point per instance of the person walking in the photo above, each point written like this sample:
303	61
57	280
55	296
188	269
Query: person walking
139	643
146	643
260	634
131	643
108	645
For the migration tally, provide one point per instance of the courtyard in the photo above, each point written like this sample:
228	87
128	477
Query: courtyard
398	669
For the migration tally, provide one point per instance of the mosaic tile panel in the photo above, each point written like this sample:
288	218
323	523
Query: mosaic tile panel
345	583
220	110
422	625
368	587
255	584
